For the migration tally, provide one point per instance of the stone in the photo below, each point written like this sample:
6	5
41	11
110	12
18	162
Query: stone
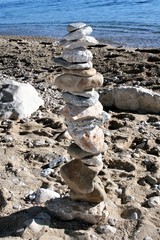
80	101
154	201
78	55
107	229
68	209
76	152
75	26
96	196
78	176
61	62
93	161
56	162
18	100
86	94
43	195
75	35
91	140
73	113
84	73
85	42
131	99
73	83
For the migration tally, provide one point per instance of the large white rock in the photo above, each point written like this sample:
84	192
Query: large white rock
78	55
75	35
131	98
18	100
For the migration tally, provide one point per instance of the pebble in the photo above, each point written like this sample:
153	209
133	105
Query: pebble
107	229
93	161
134	216
154	201
32	196
112	222
46	172
130	198
7	138
57	161
147	238
43	195
80	101
78	55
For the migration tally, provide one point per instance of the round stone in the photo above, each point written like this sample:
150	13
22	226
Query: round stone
154	201
93	161
63	63
73	83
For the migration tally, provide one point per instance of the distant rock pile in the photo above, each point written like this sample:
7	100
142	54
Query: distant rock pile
83	113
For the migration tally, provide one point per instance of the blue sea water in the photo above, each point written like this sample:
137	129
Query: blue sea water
123	22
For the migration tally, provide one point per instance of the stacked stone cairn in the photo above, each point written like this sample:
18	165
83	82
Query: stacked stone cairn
83	114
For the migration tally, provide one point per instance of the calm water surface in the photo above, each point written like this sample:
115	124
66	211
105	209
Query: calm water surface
123	22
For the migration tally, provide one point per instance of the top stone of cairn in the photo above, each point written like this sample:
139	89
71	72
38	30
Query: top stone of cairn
75	26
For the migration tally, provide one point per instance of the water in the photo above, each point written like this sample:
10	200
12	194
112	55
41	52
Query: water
123	22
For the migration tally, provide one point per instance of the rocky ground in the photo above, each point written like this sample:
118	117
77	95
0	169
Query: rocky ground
131	172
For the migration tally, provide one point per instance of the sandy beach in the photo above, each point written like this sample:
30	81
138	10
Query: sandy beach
131	163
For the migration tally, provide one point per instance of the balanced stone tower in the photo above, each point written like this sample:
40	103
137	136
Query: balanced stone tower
83	114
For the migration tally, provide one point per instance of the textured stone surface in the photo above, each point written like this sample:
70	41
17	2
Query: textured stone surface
68	209
75	35
18	100
85	73
61	62
76	113
91	140
75	26
73	83
78	176
154	201
43	195
131	98
96	196
83	42
78	55
80	101
86	94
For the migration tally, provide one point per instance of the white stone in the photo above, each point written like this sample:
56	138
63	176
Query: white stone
43	195
75	26
75	35
107	229
131	99
78	55
18	100
86	94
93	161
83	42
154	201
63	63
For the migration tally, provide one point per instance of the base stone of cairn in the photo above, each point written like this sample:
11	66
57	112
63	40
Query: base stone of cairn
84	117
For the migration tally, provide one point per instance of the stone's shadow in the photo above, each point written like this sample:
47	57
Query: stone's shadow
11	223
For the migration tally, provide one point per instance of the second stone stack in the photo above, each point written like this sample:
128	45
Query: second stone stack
83	114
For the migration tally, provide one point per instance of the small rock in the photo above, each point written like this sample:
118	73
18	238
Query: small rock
43	195
134	216
57	161
7	138
46	172
112	222
154	201
107	229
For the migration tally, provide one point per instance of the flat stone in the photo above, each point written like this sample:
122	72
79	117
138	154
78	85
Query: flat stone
131	99
68	209
85	42
75	26
86	94
70	112
73	83
78	55
93	161
80	101
79	33
76	152
84	73
61	62
90	140
96	196
78	176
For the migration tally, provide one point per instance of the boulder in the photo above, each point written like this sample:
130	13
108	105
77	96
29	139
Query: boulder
18	100
131	99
